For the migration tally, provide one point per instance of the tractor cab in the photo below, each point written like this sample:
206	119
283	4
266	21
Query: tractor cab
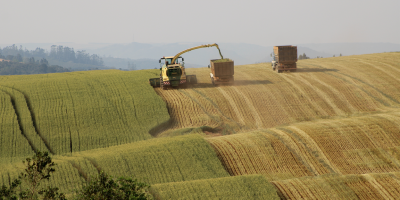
175	69
167	61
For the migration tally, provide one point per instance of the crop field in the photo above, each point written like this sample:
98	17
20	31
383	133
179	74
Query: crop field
322	88
331	130
355	186
236	187
159	160
359	145
78	111
11	138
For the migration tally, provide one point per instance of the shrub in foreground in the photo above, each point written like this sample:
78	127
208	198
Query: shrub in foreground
106	187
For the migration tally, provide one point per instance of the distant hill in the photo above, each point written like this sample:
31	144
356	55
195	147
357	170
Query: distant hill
146	55
241	53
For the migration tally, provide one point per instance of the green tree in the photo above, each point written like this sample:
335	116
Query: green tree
106	187
18	58
38	168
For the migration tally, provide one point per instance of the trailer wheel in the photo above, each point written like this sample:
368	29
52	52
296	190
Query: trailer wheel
293	70
279	71
212	81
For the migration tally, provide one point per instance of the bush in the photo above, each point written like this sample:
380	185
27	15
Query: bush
38	168
106	187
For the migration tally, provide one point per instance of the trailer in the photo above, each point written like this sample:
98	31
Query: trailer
222	71
284	58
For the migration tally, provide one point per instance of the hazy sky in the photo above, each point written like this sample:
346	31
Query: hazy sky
262	22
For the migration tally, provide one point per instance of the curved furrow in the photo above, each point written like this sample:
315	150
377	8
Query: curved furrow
26	119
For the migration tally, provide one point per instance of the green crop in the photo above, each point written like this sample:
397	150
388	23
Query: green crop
87	110
236	187
12	143
159	160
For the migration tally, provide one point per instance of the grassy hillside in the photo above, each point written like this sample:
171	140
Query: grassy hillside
12	143
330	130
86	110
237	187
160	160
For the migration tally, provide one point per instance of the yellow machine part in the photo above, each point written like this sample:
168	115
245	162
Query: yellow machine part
198	47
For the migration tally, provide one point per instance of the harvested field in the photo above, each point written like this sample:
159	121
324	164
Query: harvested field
321	89
358	145
330	130
360	186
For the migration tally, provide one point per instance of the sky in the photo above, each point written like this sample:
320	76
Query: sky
261	22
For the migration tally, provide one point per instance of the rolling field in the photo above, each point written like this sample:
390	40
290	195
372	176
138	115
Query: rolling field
359	145
322	88
237	187
329	131
355	186
78	111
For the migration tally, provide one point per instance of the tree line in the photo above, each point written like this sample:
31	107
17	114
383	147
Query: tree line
60	53
31	66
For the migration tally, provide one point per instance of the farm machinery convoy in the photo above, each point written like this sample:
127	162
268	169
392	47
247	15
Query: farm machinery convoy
173	73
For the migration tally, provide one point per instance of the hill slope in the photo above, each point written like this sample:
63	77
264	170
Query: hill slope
330	130
85	110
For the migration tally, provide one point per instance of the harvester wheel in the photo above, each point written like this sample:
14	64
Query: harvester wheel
162	84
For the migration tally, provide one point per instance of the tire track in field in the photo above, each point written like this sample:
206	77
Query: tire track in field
367	84
372	181
313	146
215	105
291	144
357	85
213	118
322	95
17	114
76	124
383	143
294	149
339	94
253	110
283	116
27	124
233	105
386	64
383	71
304	94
